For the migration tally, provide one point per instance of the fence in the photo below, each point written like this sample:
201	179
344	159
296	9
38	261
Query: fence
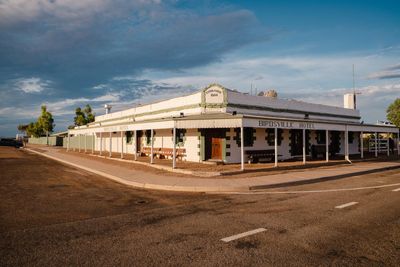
79	141
52	140
381	145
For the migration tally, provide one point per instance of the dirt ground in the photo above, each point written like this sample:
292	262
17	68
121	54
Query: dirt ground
55	215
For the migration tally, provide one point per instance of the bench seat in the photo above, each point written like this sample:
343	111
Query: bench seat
255	156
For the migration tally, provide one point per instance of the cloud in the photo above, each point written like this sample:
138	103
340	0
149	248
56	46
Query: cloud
372	100
120	93
394	67
31	85
283	73
91	41
384	75
14	11
391	72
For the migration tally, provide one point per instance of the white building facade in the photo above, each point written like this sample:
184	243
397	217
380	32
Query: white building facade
211	124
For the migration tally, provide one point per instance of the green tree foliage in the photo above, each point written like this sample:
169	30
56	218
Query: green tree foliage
83	117
46	121
393	112
22	127
80	118
42	127
34	130
89	114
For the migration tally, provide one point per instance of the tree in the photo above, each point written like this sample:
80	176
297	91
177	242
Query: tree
46	121
34	130
42	127
22	128
89	114
83	117
80	118
393	112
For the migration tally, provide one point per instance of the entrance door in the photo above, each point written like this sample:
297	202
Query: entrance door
214	140
216	148
296	142
138	139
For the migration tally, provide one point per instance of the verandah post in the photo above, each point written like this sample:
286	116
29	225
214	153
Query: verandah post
135	145
276	147
362	144
346	144
93	142
110	146
376	144
388	145
85	142
327	145
304	146
122	145
152	147
174	149
241	149
69	139
101	143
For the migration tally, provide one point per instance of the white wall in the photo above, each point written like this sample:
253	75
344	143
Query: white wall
259	144
163	139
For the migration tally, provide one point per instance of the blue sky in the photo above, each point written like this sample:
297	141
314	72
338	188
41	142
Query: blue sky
71	53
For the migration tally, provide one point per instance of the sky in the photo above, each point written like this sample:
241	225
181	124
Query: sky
66	54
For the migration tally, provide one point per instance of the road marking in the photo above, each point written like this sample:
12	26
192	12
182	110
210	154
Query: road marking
307	191
346	205
395	190
252	232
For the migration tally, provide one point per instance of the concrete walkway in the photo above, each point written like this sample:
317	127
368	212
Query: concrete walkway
150	180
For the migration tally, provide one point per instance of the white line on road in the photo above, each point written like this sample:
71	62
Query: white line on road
307	191
395	190
252	232
346	205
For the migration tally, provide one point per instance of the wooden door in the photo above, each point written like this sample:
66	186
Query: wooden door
216	148
296	142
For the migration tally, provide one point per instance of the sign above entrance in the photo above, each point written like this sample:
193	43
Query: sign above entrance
286	124
214	95
292	124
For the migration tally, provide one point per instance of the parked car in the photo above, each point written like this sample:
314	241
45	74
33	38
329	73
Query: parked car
10	142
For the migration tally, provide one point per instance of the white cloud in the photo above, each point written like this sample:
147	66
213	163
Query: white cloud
284	73
12	11
31	85
372	100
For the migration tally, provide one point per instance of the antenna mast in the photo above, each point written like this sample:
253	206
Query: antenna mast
354	85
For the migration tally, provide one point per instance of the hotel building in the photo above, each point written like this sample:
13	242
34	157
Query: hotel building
219	124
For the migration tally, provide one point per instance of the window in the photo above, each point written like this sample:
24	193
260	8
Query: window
351	137
129	135
271	136
248	135
148	136
321	137
180	136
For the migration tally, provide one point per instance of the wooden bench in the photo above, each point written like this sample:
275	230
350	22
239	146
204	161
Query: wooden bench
146	151
180	152
163	152
255	156
168	152
317	150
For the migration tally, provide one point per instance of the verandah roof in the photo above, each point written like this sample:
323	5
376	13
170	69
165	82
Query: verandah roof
233	121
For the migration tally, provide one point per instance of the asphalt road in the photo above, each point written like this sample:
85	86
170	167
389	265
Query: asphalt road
55	215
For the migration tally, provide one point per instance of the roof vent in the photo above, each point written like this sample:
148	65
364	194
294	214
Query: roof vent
270	93
107	108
